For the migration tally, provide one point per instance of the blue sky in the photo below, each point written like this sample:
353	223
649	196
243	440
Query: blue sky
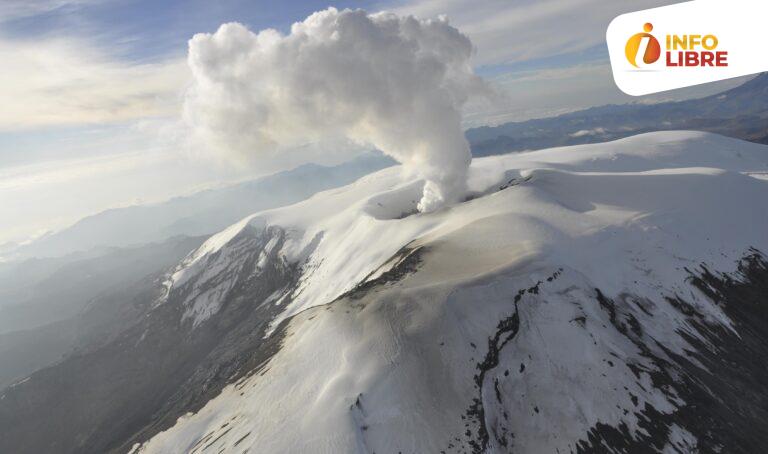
92	88
143	30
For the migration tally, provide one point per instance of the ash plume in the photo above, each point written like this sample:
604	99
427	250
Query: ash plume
395	83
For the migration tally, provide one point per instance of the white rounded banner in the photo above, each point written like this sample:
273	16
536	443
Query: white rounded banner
687	44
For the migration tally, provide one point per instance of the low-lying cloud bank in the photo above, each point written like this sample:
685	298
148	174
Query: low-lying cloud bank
395	83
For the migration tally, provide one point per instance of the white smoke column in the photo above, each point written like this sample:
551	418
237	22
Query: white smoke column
396	83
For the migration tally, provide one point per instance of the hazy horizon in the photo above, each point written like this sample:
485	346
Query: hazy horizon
104	129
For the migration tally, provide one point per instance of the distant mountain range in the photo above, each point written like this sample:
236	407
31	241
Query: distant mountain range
741	112
51	294
201	213
50	306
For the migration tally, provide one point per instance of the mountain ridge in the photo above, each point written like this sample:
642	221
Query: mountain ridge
575	301
201	213
740	112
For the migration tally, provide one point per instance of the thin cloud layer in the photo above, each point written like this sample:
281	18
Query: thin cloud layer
507	32
69	82
15	9
395	83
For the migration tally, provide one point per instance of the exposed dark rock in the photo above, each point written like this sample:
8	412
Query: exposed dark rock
506	330
726	402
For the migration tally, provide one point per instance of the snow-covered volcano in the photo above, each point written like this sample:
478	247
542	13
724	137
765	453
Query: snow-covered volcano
570	304
596	298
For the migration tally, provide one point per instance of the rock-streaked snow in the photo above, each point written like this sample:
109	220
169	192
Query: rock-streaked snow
532	313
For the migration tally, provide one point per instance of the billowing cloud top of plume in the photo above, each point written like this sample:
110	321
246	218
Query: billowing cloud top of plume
395	83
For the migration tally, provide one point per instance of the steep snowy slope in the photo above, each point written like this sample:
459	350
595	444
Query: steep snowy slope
607	298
